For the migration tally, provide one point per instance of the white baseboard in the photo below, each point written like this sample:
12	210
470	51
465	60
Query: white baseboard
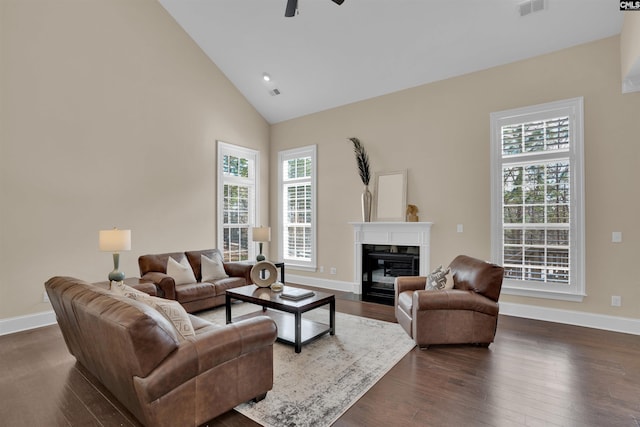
626	325
570	317
23	323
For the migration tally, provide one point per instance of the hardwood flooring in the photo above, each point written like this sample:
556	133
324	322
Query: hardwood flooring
535	374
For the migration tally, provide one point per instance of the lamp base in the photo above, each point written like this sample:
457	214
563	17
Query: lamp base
260	257
116	276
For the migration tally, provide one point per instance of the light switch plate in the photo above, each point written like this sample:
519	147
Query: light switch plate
616	237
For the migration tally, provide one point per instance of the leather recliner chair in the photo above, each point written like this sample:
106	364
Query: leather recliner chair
466	314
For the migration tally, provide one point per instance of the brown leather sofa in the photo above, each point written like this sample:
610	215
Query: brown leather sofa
466	314
162	378
198	295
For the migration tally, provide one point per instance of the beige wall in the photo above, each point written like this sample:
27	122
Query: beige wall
110	115
630	42
440	133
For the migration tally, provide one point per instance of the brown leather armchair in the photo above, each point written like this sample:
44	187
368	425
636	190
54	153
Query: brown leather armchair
468	313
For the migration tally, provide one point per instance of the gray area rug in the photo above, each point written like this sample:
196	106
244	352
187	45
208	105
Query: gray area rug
316	386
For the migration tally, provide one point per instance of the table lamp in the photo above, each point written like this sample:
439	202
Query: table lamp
261	235
115	241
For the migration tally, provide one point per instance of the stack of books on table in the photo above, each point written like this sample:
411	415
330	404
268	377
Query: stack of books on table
295	294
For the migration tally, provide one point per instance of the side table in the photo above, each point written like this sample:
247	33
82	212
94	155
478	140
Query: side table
142	285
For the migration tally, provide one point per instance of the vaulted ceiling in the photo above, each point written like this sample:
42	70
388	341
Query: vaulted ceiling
330	55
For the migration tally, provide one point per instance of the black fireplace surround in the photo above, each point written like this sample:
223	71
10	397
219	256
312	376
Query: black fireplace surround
381	264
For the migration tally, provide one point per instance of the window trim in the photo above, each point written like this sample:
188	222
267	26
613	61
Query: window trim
223	149
309	150
574	109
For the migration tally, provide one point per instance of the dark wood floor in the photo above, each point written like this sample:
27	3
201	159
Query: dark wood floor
535	374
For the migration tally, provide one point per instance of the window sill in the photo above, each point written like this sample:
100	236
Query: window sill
536	293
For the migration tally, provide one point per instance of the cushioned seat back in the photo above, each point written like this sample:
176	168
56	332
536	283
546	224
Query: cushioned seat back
477	275
194	258
157	262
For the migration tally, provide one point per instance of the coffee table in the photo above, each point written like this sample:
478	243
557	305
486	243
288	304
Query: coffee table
292	328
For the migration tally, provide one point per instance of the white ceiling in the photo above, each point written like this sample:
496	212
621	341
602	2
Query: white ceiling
330	55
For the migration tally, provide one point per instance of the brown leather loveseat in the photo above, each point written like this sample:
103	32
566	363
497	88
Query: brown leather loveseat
162	378
198	295
466	314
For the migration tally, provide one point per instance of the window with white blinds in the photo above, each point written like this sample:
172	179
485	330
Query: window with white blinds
537	199
237	200
297	207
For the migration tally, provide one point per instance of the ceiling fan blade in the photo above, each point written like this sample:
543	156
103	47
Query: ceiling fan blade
292	6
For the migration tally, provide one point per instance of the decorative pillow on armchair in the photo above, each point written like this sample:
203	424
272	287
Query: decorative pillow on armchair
437	279
180	271
212	268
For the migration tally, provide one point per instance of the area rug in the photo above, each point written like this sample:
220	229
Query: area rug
315	387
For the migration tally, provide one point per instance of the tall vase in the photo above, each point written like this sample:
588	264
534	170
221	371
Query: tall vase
366	204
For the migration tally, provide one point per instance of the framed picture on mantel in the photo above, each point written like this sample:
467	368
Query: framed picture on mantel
390	196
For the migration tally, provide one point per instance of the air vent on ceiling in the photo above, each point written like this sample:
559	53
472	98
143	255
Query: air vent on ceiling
274	92
531	6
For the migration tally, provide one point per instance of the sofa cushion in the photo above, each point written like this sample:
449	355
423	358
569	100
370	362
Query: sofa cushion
194	291
229	283
180	271
212	268
171	310
405	301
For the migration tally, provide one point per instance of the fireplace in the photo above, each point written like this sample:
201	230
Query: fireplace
385	250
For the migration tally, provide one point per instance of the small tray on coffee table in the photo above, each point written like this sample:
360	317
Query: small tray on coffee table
292	328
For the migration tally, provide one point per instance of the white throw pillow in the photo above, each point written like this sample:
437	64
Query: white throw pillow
180	271
170	309
212	269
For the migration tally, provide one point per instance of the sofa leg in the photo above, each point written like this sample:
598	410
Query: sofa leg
259	397
423	347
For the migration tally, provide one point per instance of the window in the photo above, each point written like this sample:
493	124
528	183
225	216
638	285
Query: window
237	200
537	199
297	207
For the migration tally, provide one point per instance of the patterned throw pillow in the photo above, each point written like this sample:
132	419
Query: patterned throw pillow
437	279
180	271
170	309
212	268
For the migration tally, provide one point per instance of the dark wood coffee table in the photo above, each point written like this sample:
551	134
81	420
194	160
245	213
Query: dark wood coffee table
292	328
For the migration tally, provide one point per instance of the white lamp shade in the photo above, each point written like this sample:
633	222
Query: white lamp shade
115	240
261	234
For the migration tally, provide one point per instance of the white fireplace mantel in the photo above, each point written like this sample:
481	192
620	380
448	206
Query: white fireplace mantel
391	233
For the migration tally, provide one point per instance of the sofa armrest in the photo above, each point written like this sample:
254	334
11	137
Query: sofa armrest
239	269
165	283
206	351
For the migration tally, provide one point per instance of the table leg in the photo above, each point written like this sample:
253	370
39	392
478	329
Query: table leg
332	317
298	339
227	308
282	273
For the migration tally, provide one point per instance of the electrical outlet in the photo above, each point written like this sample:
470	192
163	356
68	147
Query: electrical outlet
460	228
616	300
332	270
616	237
45	296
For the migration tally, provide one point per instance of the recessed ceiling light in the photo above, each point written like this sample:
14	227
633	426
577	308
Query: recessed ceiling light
266	77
